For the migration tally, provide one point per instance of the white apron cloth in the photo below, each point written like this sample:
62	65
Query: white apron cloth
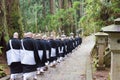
40	53
60	51
53	52
27	56
47	54
13	55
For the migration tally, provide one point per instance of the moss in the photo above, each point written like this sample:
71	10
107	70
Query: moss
0	49
14	21
109	77
2	73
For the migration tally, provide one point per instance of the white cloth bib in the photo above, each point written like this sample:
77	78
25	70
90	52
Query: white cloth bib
40	53
47	54
27	56
13	55
53	52
60	51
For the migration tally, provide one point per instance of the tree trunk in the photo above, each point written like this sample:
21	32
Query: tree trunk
44	9
81	8
1	16
69	3
13	17
52	6
60	4
3	26
65	4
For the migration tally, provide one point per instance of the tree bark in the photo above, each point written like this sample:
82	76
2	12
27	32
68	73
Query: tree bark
69	3
1	17
3	26
65	4
52	6
60	4
44	9
13	17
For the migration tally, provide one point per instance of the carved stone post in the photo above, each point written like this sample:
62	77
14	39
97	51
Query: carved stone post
114	36
101	40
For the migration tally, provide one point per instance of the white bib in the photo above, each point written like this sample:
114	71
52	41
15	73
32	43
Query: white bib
53	52
66	47
47	54
27	56
40	53
13	56
60	51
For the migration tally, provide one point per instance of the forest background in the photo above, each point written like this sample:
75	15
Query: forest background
45	16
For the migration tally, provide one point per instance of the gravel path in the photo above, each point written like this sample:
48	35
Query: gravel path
74	67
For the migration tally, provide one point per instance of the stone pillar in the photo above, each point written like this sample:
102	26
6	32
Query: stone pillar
114	37
101	43
115	65
115	56
101	50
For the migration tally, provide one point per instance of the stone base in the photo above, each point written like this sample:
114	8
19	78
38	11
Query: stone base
100	68
115	65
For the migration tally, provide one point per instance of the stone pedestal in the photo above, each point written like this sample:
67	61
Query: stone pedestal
115	56
115	65
101	40
114	37
101	50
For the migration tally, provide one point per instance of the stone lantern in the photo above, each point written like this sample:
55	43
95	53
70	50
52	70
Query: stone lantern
114	37
101	42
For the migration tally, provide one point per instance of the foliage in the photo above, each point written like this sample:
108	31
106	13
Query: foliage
2	74
109	77
98	14
13	17
36	14
0	50
60	19
76	5
37	17
32	14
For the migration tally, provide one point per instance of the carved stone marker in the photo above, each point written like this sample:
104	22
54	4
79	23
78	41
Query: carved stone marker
114	36
101	42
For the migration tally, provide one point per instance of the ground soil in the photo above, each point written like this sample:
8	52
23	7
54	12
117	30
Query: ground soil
101	74
3	63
